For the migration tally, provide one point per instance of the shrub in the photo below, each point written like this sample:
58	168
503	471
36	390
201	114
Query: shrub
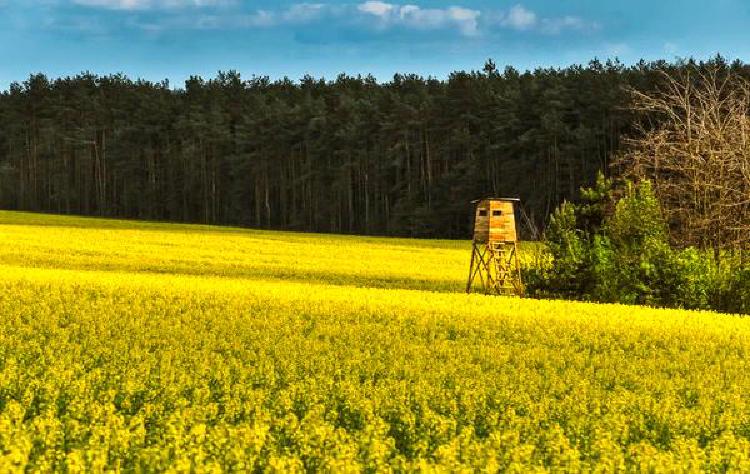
732	292
624	256
569	249
631	249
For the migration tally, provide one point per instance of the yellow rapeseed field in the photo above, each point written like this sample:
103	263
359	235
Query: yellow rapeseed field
150	347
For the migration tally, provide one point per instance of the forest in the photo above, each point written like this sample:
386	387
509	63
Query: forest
350	155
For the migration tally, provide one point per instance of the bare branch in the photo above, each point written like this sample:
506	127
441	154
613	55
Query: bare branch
697	155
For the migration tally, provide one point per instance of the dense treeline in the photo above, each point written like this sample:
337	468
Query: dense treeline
350	155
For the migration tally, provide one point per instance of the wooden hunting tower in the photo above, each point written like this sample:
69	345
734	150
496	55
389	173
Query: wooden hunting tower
494	255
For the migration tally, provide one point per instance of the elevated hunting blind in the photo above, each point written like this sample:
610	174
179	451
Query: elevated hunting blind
494	255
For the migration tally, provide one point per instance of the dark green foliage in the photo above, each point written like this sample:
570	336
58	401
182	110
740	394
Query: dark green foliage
732	291
594	204
630	254
570	250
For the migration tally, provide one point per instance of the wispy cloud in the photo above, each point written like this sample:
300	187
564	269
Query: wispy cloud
520	18
557	25
296	14
305	12
149	4
377	15
77	23
254	20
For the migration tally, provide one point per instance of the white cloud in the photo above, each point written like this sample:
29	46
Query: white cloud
464	19
520	18
376	8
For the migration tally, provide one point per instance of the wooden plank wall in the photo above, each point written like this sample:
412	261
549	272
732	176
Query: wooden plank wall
495	221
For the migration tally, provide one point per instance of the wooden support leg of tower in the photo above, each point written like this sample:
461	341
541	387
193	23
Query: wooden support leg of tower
519	281
498	267
485	269
480	267
471	268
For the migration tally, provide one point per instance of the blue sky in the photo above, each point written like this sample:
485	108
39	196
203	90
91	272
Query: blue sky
157	39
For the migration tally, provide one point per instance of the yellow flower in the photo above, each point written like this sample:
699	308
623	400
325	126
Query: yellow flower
159	348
